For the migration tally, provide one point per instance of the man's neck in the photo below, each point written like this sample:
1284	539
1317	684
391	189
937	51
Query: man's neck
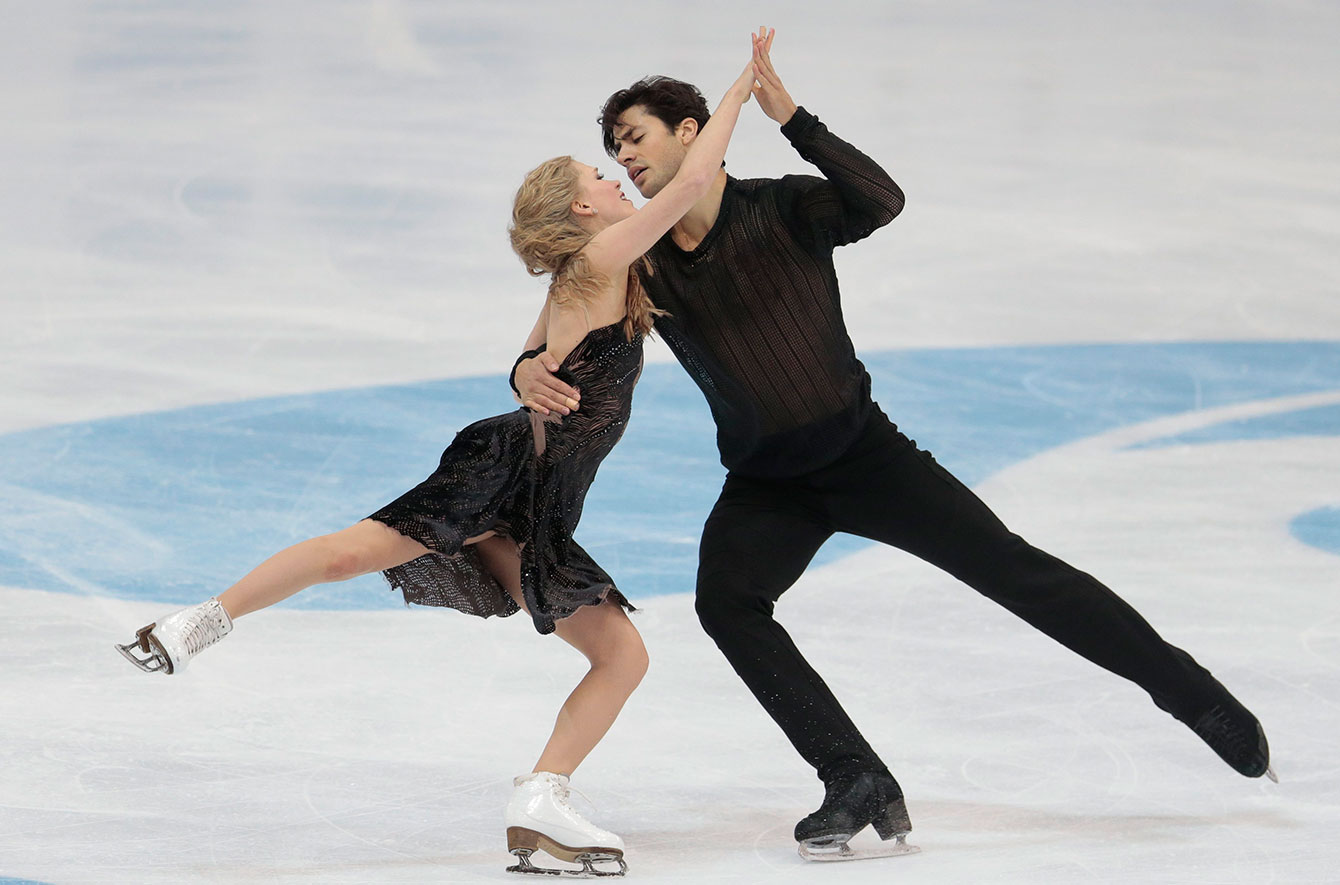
690	230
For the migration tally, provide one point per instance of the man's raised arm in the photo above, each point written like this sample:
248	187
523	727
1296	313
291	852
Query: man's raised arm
858	197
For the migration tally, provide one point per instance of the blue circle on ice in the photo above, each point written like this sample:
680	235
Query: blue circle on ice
173	506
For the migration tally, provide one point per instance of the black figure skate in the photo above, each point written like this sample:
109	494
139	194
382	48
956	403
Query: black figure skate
850	804
1229	728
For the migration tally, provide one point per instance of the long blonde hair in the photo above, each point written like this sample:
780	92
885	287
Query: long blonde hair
548	240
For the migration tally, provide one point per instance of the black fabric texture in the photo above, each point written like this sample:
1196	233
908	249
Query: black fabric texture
762	534
523	476
755	313
511	377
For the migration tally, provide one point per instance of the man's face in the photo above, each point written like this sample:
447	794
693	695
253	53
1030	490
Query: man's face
648	149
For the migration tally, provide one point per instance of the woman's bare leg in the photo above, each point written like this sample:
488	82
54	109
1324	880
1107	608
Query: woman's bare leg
608	639
366	546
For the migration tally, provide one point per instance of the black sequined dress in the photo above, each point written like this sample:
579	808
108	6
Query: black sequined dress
523	476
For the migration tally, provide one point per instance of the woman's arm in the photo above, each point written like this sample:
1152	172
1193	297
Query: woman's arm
559	329
534	341
568	324
541	330
624	242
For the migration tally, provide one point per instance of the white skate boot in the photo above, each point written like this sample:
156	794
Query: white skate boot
173	641
540	818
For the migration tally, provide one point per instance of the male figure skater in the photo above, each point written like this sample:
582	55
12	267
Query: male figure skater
754	317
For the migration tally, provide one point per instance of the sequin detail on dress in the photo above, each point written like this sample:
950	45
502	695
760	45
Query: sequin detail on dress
525	477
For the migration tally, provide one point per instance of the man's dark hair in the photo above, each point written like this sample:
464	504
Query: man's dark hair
665	98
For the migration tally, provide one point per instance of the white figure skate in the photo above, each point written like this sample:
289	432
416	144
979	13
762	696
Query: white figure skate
539	818
170	643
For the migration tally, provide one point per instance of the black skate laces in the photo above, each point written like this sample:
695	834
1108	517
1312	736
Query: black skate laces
1218	730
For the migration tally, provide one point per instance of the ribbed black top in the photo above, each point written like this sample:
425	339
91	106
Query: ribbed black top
756	317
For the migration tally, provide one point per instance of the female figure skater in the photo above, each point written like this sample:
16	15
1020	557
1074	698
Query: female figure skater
490	531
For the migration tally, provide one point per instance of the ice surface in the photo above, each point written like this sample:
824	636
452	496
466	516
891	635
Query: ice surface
208	204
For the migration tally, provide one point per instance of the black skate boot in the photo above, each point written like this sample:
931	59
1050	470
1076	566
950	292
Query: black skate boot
851	802
1229	728
1235	734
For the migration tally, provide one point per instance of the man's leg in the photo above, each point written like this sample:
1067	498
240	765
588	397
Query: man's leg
888	490
756	543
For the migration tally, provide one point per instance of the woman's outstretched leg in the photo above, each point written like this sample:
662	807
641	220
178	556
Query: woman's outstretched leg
365	547
168	644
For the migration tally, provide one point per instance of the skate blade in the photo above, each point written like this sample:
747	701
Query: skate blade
588	870
836	848
523	842
153	662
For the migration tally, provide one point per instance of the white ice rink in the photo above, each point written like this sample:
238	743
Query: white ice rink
253	276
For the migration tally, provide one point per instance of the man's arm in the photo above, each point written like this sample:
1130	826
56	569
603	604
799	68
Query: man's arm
857	197
533	379
539	390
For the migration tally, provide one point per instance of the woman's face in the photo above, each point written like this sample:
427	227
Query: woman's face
604	195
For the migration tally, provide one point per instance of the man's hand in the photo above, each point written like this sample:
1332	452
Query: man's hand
539	390
771	94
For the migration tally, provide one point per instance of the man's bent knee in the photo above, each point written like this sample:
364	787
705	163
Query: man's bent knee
723	599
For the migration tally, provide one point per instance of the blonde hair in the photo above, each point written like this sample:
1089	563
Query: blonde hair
547	238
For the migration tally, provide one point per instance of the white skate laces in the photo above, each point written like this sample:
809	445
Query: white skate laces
563	790
170	643
540	818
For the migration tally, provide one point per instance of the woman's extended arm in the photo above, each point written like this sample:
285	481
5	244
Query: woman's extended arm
624	242
620	244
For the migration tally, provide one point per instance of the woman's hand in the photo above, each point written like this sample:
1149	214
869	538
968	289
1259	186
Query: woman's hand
771	94
743	86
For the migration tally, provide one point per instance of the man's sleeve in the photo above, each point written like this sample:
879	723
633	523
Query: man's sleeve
528	355
854	197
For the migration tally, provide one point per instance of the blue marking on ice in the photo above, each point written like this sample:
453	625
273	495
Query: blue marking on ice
1318	421
1319	528
174	505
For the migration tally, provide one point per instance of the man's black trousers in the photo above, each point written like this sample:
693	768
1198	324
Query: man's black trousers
762	534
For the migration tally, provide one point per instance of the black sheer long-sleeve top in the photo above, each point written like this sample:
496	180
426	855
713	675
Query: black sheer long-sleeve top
755	314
